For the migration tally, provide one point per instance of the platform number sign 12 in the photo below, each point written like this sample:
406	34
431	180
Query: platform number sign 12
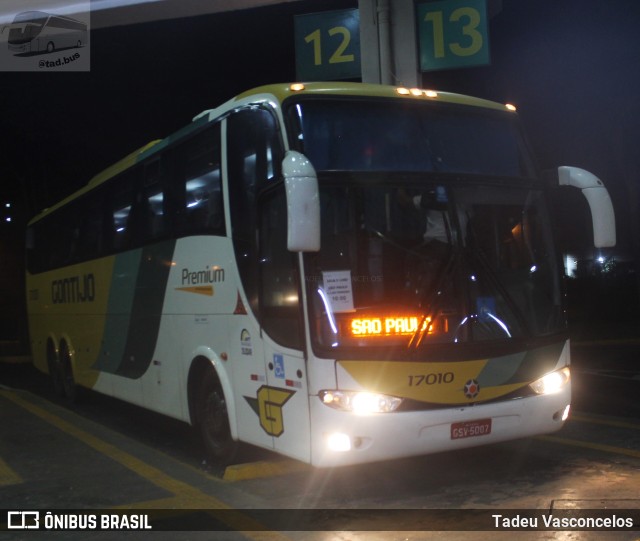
453	34
327	45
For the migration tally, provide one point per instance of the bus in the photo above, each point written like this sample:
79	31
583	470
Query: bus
37	32
338	272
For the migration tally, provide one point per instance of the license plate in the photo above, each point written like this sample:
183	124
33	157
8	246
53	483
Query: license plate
470	429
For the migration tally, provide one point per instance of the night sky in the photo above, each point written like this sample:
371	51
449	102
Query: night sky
571	66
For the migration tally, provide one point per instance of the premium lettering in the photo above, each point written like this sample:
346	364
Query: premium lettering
206	276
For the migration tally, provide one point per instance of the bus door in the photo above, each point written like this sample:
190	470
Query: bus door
269	367
284	401
274	402
249	376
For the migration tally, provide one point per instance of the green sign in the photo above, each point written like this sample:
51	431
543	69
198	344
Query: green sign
453	34
327	45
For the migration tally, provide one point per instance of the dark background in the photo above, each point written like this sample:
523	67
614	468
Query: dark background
572	67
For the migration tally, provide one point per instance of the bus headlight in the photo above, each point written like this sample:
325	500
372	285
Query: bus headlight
360	402
552	382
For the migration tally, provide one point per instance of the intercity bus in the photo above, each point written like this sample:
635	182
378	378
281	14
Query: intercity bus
37	31
341	273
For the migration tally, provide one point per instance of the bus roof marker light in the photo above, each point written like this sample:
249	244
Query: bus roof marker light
296	87
417	92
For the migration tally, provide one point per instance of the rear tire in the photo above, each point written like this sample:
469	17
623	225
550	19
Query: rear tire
55	372
213	421
66	374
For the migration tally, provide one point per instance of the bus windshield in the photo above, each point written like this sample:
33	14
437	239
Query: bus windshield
350	135
438	240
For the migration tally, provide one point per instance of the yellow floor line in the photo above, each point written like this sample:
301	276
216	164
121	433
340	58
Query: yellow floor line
187	496
595	446
7	475
606	422
174	502
262	469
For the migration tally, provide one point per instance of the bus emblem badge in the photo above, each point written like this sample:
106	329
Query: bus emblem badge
471	389
268	406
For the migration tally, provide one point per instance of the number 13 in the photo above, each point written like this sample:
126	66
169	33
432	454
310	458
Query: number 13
469	29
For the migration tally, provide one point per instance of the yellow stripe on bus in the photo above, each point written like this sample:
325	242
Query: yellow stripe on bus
436	383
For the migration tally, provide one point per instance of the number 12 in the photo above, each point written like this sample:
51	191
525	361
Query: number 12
338	55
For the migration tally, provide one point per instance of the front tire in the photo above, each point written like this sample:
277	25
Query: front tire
213	421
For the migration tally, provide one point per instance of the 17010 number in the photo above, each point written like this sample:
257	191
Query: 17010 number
434	378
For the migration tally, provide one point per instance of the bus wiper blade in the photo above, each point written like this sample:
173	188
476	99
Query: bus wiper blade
385	238
432	298
497	284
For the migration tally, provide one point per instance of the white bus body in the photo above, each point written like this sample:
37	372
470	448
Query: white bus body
267	275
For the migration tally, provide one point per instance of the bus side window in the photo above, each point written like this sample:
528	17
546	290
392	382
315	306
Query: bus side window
122	193
33	249
63	236
89	217
152	202
198	195
254	155
279	291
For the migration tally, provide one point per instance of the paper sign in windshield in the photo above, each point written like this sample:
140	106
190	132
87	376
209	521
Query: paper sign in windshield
337	288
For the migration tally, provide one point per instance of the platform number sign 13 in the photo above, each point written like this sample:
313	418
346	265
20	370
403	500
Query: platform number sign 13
327	45
453	34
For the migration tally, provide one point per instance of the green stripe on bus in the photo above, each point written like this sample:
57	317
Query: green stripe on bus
136	299
121	293
146	312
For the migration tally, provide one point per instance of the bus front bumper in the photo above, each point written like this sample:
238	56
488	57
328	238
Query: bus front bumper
341	438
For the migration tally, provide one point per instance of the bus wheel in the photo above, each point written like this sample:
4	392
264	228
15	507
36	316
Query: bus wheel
54	371
50	47
66	374
213	421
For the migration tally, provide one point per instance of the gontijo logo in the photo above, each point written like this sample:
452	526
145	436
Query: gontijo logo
74	289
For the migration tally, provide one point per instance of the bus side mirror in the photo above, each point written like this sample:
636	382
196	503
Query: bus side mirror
303	203
597	196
